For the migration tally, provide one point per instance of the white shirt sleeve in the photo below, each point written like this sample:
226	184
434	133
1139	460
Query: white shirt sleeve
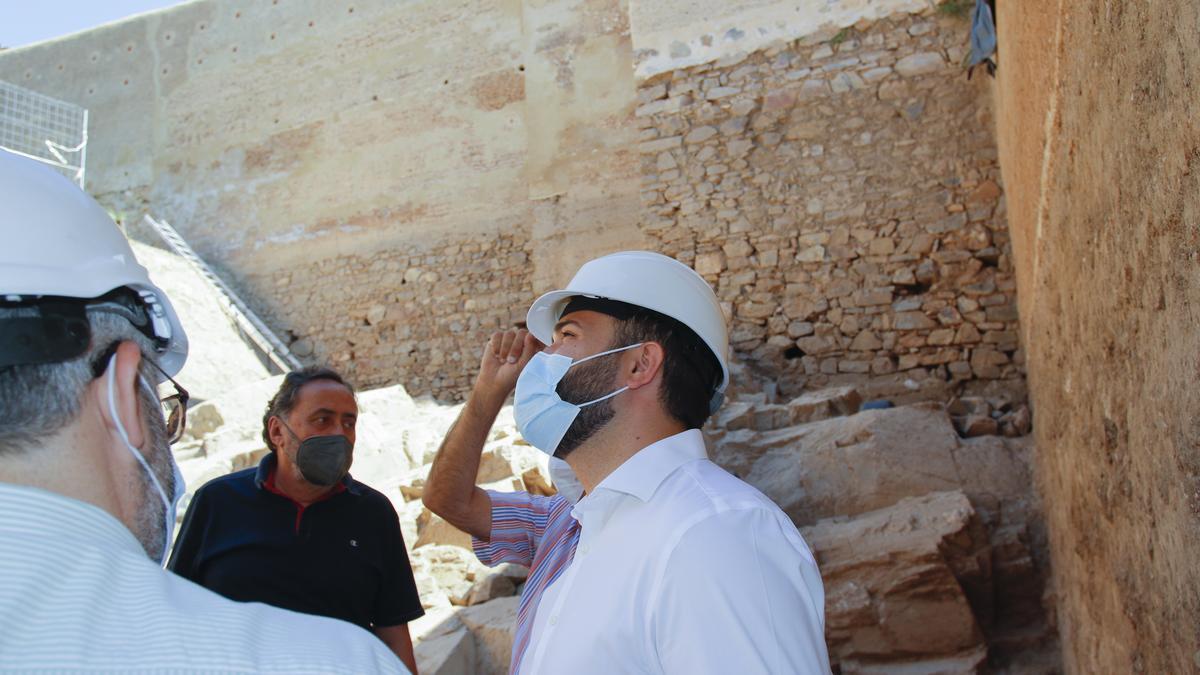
740	593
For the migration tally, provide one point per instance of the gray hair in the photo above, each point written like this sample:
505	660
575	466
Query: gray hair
38	401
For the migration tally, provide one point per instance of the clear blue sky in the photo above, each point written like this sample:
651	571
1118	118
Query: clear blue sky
24	22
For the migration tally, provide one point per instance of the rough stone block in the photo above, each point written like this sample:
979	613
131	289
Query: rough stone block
986	363
920	64
718	93
846	82
811	254
700	134
799	329
857	367
451	653
432	529
660	144
866	341
894	581
710	264
913	321
906	451
493	624
816	345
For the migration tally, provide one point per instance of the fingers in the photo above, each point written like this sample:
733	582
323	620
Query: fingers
518	345
493	345
506	343
529	346
511	346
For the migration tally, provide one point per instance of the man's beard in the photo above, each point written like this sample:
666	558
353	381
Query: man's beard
150	525
584	383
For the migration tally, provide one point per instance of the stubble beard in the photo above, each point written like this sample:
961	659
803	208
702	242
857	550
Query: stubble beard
150	525
588	383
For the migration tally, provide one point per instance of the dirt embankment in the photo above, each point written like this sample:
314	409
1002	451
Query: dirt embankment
1100	150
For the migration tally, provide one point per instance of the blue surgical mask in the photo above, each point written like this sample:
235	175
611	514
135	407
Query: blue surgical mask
542	416
170	504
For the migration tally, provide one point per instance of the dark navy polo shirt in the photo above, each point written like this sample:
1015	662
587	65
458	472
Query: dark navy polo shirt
341	557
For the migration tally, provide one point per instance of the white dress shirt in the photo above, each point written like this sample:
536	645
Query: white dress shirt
78	594
681	568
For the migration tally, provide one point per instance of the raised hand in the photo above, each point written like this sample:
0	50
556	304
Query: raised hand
504	356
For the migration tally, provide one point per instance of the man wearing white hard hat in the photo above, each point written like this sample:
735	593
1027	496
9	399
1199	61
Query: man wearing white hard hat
667	564
88	485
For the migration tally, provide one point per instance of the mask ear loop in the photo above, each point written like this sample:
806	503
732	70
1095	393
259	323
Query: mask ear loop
593	356
289	429
112	407
611	351
603	398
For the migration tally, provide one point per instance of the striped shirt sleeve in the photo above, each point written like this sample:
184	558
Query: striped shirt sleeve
519	521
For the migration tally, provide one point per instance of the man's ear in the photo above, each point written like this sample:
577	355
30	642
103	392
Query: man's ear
647	365
275	431
125	386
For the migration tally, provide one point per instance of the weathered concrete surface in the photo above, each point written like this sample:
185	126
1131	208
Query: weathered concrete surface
582	165
367	172
674	34
1100	149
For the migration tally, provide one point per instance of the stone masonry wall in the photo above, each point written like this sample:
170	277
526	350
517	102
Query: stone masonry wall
842	194
402	315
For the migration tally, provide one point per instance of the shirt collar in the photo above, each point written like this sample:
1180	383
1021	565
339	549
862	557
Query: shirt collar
640	475
266	472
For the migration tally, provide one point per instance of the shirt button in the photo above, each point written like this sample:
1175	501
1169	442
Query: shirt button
554	621
585	550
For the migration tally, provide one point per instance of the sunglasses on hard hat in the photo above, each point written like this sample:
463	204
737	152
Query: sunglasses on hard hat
174	407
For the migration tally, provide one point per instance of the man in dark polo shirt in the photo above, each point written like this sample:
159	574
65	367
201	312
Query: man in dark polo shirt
299	532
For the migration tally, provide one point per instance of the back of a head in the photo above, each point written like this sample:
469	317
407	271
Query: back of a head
70	286
59	243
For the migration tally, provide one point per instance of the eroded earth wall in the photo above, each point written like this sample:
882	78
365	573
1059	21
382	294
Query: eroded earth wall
1100	148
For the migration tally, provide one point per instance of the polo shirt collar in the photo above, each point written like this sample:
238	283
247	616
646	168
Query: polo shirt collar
268	463
640	475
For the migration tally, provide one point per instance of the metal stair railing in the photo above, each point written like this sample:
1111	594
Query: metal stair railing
247	322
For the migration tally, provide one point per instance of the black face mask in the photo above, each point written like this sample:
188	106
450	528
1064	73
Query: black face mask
322	460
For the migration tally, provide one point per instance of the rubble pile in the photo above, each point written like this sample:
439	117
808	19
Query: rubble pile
930	545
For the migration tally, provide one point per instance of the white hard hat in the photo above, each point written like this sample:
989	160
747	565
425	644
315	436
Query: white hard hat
649	280
58	242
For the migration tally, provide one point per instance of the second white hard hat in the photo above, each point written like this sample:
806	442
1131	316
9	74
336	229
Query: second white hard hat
57	241
643	279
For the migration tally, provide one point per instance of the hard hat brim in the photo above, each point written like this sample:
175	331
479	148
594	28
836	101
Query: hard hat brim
545	312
